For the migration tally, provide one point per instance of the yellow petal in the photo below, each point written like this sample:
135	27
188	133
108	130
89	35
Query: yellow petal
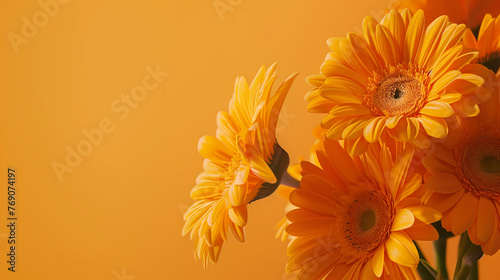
369	26
400	169
378	262
330	68
435	127
242	176
401	249
238	215
338	94
402	220
450	97
406	129
425	214
350	110
444	81
351	57
315	80
437	109
213	148
414	35
355	128
374	128
356	147
260	168
391	122
431	40
413	182
386	46
466	107
444	62
363	52
237	194
333	43
238	232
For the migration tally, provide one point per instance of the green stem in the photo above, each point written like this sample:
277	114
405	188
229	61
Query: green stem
468	260
463	273
424	269
474	273
440	251
289	181
463	246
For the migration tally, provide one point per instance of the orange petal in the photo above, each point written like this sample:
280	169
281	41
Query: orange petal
464	213
313	202
486	218
442	202
443	183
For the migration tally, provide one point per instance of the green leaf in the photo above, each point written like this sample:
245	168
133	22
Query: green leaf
427	272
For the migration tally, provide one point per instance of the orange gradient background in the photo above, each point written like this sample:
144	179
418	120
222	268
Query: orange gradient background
118	213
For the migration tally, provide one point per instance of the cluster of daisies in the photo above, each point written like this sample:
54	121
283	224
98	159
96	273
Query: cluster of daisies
408	150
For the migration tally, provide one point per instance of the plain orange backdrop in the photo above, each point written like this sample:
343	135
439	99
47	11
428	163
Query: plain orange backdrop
118	213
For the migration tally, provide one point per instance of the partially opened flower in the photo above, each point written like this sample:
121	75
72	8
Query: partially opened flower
487	42
465	178
357	216
469	12
397	78
239	161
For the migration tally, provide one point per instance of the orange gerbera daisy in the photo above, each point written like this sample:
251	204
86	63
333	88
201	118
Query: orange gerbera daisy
464	178
469	12
397	78
237	164
357	216
488	42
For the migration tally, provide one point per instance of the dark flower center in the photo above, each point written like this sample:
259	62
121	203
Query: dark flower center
397	94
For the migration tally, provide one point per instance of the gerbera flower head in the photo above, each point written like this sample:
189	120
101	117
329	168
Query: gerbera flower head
357	216
464	178
487	43
397	78
240	160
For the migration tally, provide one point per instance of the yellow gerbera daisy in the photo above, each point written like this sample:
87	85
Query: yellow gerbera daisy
469	12
464	178
237	164
397	78
488	42
357	216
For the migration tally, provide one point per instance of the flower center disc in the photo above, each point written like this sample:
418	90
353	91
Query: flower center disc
481	165
368	221
397	94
